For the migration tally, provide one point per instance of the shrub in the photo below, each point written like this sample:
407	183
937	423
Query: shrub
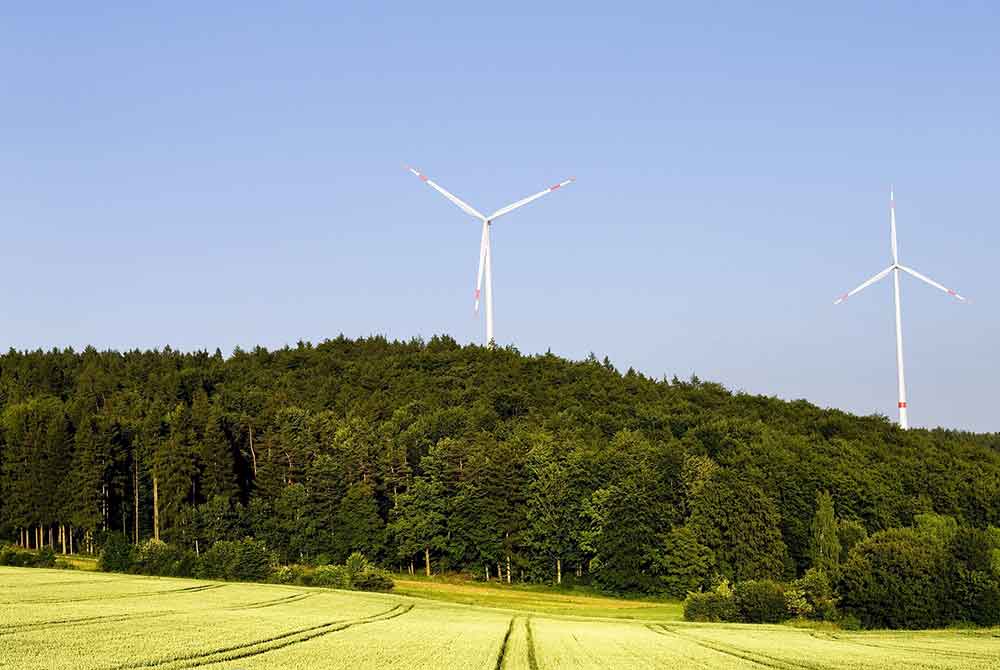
373	579
332	576
896	579
286	574
761	601
247	560
116	555
716	605
159	558
816	594
25	558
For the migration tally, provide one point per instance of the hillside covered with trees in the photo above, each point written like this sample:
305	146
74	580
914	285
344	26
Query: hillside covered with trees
430	455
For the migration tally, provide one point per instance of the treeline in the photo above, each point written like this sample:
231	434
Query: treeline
430	455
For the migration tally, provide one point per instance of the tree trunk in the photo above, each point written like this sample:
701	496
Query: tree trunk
487	572
71	538
508	568
411	567
52	542
156	508
558	571
427	561
253	454
38	537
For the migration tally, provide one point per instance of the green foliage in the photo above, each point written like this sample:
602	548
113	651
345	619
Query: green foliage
357	573
976	586
824	548
739	522
849	533
718	604
373	579
896	579
812	596
478	458
244	560
15	556
761	601
286	574
684	564
331	576
116	555
159	558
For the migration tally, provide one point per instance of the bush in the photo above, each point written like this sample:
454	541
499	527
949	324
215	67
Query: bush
761	601
25	558
332	577
812	597
247	560
116	555
286	574
716	605
159	558
373	579
896	579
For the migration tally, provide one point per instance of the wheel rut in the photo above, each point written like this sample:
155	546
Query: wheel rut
263	646
763	660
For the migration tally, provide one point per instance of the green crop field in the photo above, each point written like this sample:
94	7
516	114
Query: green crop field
58	619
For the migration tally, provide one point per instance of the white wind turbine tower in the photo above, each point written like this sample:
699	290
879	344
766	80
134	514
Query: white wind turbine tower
895	269
485	252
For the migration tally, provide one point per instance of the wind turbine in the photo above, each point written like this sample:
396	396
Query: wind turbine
895	269
485	253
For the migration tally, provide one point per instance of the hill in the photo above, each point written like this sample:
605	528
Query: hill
531	468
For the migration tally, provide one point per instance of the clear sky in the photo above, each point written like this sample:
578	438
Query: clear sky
228	174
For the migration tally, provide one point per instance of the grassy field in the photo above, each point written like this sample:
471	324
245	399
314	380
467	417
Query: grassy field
538	600
63	619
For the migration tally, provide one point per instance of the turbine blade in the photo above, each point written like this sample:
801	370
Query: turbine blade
892	224
928	280
482	262
465	207
530	198
863	286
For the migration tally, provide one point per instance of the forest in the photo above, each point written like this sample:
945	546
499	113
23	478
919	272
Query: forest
431	456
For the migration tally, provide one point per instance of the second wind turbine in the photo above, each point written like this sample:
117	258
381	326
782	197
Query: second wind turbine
485	253
895	269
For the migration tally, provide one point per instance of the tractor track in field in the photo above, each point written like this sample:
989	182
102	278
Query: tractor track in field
66	582
263	646
285	600
122	596
503	645
944	653
756	657
79	621
532	659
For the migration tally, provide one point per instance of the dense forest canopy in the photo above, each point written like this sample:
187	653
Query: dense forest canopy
464	458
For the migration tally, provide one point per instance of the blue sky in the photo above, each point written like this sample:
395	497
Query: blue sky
228	174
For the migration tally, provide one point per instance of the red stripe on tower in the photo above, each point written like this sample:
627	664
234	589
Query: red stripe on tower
552	188
902	405
423	177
